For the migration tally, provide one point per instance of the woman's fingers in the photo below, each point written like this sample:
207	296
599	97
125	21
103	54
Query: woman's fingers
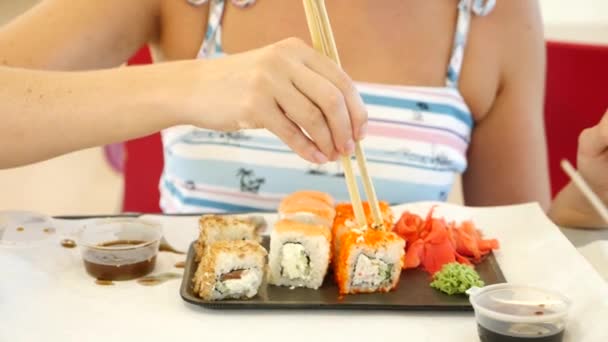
318	113
278	123
304	113
326	96
329	70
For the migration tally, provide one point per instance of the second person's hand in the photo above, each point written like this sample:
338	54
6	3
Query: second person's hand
592	158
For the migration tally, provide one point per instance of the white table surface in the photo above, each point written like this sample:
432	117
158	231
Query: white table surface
45	295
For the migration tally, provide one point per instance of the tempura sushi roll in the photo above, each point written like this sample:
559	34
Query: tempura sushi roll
230	269
368	260
309	206
214	228
299	254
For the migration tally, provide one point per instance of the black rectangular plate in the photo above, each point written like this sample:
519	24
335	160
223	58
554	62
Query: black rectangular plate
412	293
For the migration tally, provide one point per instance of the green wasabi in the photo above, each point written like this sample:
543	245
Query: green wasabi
455	278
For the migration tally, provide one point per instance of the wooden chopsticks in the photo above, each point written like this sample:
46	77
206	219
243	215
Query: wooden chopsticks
323	41
582	185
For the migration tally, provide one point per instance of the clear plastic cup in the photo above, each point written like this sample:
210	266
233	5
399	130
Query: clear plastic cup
506	312
120	248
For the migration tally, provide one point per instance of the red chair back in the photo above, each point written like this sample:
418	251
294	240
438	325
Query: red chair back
143	164
576	98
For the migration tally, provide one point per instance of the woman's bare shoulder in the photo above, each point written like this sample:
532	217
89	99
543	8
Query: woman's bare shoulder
69	35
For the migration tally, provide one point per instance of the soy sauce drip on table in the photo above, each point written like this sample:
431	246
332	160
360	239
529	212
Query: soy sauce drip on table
20	229
164	247
68	243
180	264
158	279
103	282
49	230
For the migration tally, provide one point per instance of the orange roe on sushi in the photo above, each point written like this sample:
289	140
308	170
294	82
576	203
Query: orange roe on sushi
347	237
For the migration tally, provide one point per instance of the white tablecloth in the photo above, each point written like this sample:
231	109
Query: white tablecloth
45	294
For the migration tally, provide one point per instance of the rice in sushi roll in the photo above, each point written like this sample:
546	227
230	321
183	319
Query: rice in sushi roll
230	269
215	228
299	254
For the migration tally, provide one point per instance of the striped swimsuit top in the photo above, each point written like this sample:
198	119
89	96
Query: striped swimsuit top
416	144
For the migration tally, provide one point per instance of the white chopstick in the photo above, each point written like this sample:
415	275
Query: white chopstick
582	185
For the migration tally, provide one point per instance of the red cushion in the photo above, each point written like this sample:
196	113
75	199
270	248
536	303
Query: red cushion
576	98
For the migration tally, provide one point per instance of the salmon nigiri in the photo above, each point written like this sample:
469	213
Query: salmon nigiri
309	207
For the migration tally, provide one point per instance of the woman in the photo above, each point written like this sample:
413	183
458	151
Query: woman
448	86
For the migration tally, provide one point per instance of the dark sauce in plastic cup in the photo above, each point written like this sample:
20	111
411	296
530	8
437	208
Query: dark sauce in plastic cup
120	249
514	313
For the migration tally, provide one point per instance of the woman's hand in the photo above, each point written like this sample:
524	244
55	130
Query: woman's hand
286	88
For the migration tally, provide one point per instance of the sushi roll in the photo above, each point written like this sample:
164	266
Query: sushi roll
369	260
313	207
299	254
230	269
345	220
366	260
214	228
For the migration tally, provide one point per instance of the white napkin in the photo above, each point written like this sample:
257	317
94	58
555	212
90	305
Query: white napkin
597	254
46	295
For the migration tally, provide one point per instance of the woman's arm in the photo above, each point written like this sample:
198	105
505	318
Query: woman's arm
286	88
570	208
507	156
79	35
44	114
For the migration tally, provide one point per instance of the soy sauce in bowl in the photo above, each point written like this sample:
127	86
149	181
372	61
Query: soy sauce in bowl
516	332
120	249
512	313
